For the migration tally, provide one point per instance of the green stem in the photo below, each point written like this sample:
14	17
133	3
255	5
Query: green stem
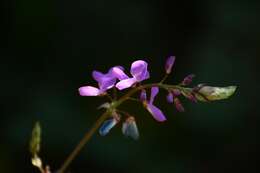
103	117
83	141
164	78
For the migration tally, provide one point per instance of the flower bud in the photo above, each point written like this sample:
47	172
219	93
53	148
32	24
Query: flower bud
215	93
169	63
170	97
178	105
187	80
35	139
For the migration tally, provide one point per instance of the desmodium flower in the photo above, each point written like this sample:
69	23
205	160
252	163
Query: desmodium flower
109	124
129	128
155	111
138	71
169	63
105	81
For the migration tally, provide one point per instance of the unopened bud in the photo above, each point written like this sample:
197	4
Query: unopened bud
169	63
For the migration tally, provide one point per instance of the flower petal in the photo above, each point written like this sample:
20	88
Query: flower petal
106	82
97	75
107	126
139	70
118	73
156	112
129	128
126	83
89	91
154	92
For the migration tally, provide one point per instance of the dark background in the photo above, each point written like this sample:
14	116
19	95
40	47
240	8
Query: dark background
49	48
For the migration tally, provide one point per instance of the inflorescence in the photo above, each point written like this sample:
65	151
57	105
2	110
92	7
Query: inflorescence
116	79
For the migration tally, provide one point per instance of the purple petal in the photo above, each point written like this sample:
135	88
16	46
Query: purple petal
89	91
118	73
169	63
106	82
126	83
139	70
156	112
97	75
147	75
170	97
143	96
154	92
188	79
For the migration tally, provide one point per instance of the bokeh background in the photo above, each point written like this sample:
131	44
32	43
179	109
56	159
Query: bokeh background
50	47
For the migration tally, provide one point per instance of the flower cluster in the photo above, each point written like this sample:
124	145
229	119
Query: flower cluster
118	79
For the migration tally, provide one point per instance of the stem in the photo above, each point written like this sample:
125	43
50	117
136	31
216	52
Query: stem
164	78
83	141
103	117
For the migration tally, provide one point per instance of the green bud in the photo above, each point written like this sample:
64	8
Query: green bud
209	93
35	139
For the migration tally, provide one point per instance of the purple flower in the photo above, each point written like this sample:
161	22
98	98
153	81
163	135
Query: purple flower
105	81
155	111
169	63
187	80
138	71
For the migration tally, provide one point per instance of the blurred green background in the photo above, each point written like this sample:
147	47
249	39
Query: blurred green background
50	47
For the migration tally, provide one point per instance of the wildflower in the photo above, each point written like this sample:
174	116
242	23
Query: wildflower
169	63
109	124
155	111
129	128
138	71
105	81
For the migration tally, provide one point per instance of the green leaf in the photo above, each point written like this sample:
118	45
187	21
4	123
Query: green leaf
209	93
35	139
